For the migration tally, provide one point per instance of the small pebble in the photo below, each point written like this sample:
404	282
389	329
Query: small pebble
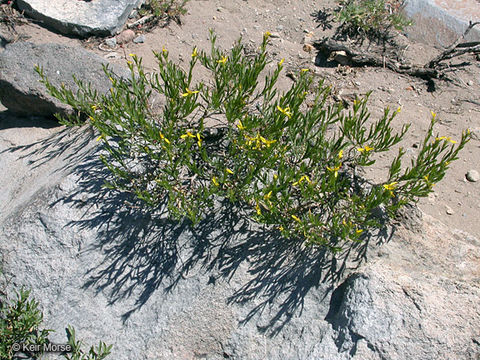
139	39
449	210
308	48
470	83
472	176
111	42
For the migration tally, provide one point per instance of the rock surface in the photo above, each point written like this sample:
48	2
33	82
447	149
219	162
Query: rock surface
157	289
81	18
20	89
442	22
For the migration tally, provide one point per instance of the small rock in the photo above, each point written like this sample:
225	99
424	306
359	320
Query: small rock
125	36
470	83
139	39
308	38
275	35
279	27
111	42
308	48
472	176
449	210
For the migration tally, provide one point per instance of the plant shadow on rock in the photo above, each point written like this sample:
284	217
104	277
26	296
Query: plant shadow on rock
143	251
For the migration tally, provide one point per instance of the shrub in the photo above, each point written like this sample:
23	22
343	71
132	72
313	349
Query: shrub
371	18
163	10
290	157
19	323
20	320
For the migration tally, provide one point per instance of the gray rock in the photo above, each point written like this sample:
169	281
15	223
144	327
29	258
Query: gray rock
81	18
440	23
157	289
472	176
20	89
139	39
111	42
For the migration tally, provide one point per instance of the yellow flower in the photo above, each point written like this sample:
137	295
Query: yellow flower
430	184
296	218
304	177
267	34
390	187
91	118
275	176
132	55
229	171
110	78
257	207
268	196
164	50
285	111
433	114
335	169
240	125
164	138
100	138
223	60
398	110
340	154
365	149
281	228
215	181
267	142
199	142
94	107
447	138
359	231
195	52
305	70
188	134
280	63
189	92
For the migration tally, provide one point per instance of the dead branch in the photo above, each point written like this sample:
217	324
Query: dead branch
431	70
360	58
141	21
454	49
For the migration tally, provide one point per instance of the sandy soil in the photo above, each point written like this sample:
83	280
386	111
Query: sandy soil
456	201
